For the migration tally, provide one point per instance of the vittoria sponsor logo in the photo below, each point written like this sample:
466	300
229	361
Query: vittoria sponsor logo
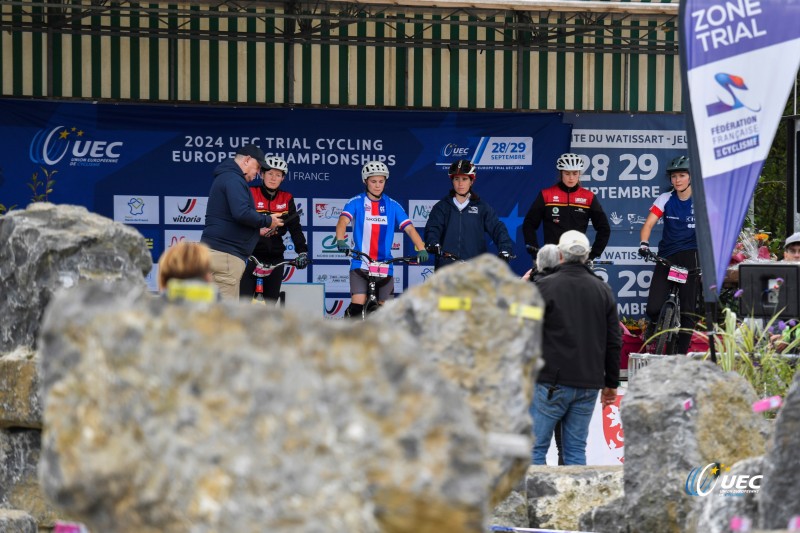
185	209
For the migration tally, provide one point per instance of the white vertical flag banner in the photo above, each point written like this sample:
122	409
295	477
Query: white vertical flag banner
739	60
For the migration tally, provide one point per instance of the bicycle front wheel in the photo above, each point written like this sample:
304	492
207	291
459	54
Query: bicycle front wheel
666	340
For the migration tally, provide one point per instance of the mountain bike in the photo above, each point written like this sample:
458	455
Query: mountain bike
376	271
668	325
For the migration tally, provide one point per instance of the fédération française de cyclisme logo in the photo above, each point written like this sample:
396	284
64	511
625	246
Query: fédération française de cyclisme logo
701	481
728	82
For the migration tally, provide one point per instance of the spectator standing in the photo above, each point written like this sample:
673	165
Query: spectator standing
791	248
581	347
566	206
270	199
232	223
547	260
459	222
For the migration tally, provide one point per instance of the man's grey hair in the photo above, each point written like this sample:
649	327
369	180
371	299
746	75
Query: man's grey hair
569	257
548	257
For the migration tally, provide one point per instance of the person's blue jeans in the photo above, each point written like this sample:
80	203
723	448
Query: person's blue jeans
574	407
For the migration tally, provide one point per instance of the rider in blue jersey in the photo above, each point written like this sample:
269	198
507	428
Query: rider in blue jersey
374	217
678	245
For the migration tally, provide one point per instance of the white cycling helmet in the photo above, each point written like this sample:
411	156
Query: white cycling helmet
570	162
374	168
277	163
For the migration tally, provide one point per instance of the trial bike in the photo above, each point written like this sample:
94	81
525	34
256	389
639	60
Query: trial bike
262	270
376	271
668	325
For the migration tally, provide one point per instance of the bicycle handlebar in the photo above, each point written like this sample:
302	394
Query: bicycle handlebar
653	257
362	255
262	270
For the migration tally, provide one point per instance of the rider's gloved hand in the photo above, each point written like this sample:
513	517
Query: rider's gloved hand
302	261
644	248
533	250
422	255
342	245
505	256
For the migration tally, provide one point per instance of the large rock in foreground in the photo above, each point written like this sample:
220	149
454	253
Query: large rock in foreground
160	415
779	497
482	326
20	451
680	414
47	247
20	406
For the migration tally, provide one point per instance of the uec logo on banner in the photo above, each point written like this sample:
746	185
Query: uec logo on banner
453	150
49	147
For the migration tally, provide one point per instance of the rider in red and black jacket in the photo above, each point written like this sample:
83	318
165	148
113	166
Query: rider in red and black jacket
566	206
271	199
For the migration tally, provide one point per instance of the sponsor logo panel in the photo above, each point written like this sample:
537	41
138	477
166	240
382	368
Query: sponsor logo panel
302	207
335	307
418	274
152	279
173	237
419	210
136	209
185	210
324	246
292	274
290	252
326	211
335	277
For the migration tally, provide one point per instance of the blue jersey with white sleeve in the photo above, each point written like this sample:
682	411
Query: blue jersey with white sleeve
679	225
374	223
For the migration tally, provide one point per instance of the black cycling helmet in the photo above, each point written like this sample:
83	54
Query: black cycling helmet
679	164
462	167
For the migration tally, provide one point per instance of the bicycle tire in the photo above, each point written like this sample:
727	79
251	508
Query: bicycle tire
665	340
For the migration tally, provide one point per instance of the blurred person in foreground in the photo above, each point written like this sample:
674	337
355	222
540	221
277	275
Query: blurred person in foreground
184	272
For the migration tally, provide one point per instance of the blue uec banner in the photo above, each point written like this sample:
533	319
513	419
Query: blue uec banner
151	167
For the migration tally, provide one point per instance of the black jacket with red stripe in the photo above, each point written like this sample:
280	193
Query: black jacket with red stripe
279	203
563	208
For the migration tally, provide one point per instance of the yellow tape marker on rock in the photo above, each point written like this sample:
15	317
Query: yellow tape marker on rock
531	312
454	303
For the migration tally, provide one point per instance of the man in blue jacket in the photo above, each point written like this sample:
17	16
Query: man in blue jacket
232	223
458	223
